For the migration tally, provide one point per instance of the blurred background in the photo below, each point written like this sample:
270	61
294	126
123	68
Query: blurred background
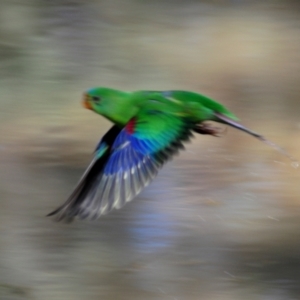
221	221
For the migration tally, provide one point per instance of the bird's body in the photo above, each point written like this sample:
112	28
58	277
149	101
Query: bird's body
149	128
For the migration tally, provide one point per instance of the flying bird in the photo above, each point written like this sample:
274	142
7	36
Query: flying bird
149	128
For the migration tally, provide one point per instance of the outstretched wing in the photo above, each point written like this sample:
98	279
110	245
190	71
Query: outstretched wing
124	167
68	210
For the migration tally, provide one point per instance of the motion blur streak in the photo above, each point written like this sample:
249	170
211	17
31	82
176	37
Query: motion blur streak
221	221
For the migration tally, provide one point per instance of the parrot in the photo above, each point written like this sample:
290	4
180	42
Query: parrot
149	128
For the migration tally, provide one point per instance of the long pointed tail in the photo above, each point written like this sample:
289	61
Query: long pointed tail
223	119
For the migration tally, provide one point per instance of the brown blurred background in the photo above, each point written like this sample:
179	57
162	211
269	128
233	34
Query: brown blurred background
222	221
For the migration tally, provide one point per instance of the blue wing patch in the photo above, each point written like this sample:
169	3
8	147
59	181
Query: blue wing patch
124	163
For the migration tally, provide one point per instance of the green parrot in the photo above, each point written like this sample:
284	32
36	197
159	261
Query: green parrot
149	128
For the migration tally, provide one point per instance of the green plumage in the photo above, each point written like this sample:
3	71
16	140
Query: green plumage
149	128
120	107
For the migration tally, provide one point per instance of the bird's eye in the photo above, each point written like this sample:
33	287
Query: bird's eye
96	99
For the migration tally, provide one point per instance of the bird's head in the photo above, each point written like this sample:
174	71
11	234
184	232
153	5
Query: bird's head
99	99
109	103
